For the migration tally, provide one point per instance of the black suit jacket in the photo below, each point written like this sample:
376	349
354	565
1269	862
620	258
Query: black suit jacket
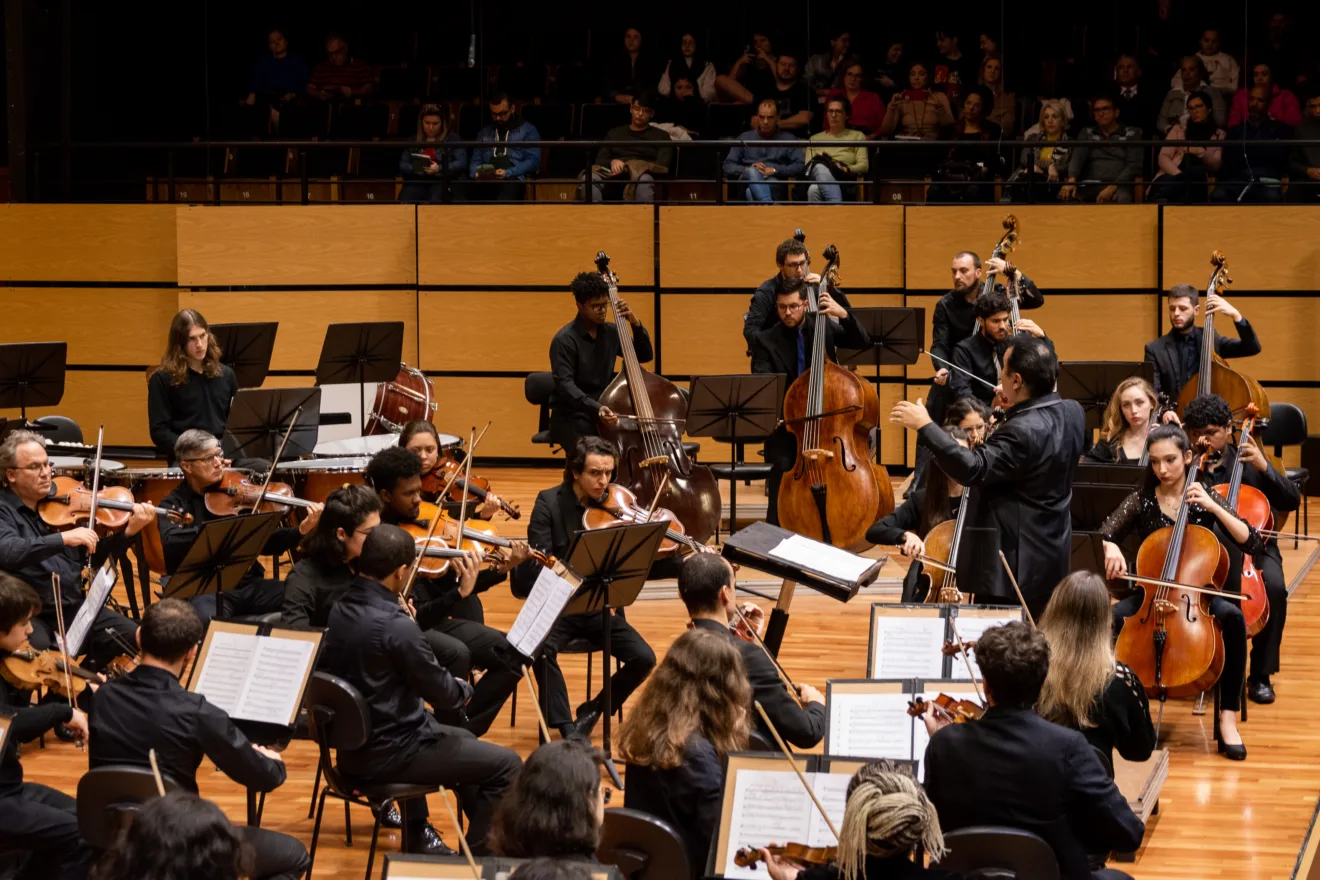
775	350
1163	353
556	515
1015	768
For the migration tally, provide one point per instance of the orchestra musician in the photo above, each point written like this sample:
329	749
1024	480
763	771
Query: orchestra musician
973	416
374	645
34	819
190	388
1177	354
555	807
556	516
34	551
1132	411
980	353
1022	475
1155	506
786	348
148	709
708	588
203	465
178	835
792	259
324	573
420	436
582	356
1210	417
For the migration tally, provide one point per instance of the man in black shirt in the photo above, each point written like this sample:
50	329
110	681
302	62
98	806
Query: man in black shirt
555	518
190	388
149	709
203	466
707	587
34	552
1177	354
635	160
980	354
582	356
793	260
791	95
372	643
34	818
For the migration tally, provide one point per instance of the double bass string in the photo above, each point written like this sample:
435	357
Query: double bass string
636	385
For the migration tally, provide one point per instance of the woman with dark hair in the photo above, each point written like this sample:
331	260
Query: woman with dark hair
190	388
1192	78
890	72
555	805
177	837
630	71
972	415
917	112
689	64
1184	171
1283	103
866	113
325	571
421	437
554	869
968	172
423	168
1004	112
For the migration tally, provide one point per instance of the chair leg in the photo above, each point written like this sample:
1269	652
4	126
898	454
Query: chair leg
316	786
371	853
316	832
348	826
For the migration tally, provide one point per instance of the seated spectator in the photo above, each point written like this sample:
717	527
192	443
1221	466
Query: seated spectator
1221	69
1304	162
278	77
499	172
1192	78
917	112
826	166
1248	172
1042	170
178	835
954	71
968	172
683	113
865	112
690	65
555	805
762	161
823	71
422	167
691	715
1138	104
629	70
751	73
889	75
338	78
1283	103
1184	170
632	165
790	94
1105	172
1004	112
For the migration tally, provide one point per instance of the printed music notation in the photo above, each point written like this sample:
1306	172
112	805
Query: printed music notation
772	806
255	678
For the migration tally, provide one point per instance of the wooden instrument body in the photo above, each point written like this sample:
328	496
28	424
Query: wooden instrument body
235	494
1254	508
70	505
620	507
1237	388
410	396
30	669
940	542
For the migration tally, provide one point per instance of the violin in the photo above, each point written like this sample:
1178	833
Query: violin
236	494
620	507
478	537
956	711
747	856
70	504
478	488
1251	504
29	669
942	543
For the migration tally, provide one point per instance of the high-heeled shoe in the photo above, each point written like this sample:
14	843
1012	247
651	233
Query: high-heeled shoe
1233	752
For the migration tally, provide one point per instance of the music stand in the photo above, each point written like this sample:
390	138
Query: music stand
246	349
1088	552
220	556
897	336
737	409
613	565
1092	384
1093	502
259	417
32	374
370	351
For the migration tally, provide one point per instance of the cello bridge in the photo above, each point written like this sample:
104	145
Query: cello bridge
655	459
1164	606
817	455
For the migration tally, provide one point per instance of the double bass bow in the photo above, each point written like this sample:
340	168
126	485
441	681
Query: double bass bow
1251	504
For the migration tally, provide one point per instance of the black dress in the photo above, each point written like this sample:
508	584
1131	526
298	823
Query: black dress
1107	453
876	868
1122	718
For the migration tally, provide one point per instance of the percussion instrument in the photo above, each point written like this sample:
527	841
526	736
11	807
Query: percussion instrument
78	467
409	397
355	446
149	486
315	478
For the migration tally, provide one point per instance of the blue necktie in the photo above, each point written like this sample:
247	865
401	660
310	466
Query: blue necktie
801	353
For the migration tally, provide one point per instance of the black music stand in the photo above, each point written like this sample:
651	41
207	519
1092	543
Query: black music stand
1088	552
613	565
370	351
1093	502
1110	474
897	336
259	417
1092	384
220	556
246	349
32	374
736	409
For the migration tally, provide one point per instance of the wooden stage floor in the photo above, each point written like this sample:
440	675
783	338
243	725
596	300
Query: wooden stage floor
1217	819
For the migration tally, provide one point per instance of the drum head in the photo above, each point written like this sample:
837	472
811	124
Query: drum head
75	466
353	465
355	446
152	473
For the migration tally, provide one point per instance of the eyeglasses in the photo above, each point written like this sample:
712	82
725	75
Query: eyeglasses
790	308
210	456
37	467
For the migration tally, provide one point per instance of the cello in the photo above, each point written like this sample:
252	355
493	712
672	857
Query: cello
942	543
1251	504
649	435
835	491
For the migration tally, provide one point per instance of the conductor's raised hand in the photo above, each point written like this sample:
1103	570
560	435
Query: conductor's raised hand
912	416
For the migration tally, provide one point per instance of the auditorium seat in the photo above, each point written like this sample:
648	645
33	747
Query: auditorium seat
1287	427
725	121
401	84
597	119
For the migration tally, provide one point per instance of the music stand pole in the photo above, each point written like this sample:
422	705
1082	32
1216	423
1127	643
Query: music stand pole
896	335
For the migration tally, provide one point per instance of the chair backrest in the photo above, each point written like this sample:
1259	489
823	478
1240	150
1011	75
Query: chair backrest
109	798
538	387
759	742
991	851
642	846
1287	426
338	718
66	430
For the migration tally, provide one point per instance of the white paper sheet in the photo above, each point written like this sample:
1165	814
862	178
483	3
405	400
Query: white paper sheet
969	629
870	726
538	614
907	647
95	600
228	664
832	791
822	558
279	668
769	806
920	738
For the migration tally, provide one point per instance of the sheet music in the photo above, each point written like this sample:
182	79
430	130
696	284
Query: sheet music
279	668
907	647
832	791
768	806
870	726
970	629
920	739
96	598
225	673
815	556
549	595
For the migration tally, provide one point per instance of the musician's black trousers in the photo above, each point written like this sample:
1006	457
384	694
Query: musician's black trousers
467	646
99	646
1265	644
44	823
626	644
252	597
275	856
1229	616
566	428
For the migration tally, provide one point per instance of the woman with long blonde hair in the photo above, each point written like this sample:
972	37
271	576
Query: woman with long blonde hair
1132	411
692	713
1087	688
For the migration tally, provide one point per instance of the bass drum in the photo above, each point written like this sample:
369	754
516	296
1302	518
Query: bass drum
150	486
410	397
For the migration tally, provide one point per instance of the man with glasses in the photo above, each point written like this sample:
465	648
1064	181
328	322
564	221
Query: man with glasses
35	553
759	158
499	172
582	356
791	256
1105	172
203	465
634	161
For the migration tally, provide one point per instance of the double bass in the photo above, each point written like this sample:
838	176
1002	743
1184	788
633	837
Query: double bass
649	434
1007	242
1251	504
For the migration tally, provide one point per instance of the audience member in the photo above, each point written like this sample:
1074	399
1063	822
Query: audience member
751	74
1042	170
1184	171
500	171
889	74
763	168
1137	103
1104	173
1221	68
1192	79
989	43
1283	105
953	69
1003	112
1280	50
790	94
632	165
1164	37
826	166
629	70
917	112
554	806
277	77
1253	172
684	111
691	65
825	70
968	172
866	113
691	715
1304	162
423	167
338	77
177	836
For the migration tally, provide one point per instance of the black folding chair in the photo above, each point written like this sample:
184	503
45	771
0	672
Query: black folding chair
109	798
990	851
642	846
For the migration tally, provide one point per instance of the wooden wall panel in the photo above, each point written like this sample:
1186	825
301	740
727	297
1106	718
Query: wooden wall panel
1288	328
1099	327
1267	248
125	243
130	325
270	245
1102	246
304	314
734	245
116	398
703	333
499	330
532	244
466	402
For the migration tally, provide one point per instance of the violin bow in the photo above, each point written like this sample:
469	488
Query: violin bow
467	478
155	771
417	560
655	502
757	637
261	496
91	518
536	701
458	829
788	756
962	649
63	643
1012	580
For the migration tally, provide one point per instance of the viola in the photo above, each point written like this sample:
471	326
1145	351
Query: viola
478	488
478	537
942	543
620	507
956	711
236	494
1251	504
747	856
70	504
29	669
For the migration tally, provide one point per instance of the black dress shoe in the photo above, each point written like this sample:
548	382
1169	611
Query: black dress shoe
433	844
1233	753
587	717
390	816
1260	691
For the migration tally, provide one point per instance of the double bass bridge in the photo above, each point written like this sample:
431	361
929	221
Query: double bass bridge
816	456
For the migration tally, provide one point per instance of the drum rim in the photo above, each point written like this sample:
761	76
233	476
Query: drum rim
316	465
152	473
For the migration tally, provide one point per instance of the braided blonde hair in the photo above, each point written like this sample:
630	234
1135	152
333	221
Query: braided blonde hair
888	813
